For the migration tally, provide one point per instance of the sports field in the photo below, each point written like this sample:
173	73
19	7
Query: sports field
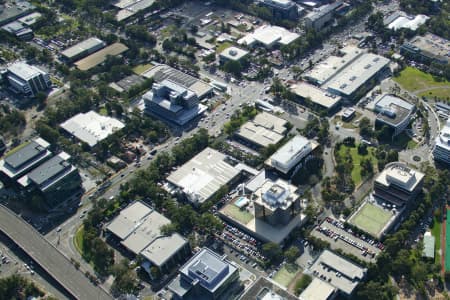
371	218
447	241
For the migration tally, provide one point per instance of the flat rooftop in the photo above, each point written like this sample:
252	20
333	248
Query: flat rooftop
234	53
87	44
209	268
131	7
50	171
429	243
12	10
203	175
129	219
91	127
269	35
318	290
315	94
263	130
99	57
323	10
393	110
24	71
161	249
329	67
400	175
357	73
262	284
162	72
30	19
24	157
405	21
276	194
343	274
443	139
432	45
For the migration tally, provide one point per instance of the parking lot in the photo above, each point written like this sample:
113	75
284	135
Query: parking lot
334	232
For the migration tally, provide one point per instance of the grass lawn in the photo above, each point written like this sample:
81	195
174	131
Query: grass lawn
447	242
356	158
436	232
413	79
142	68
78	240
103	111
222	46
371	218
286	274
440	93
236	213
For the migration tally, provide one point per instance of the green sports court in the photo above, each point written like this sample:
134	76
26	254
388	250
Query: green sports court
371	218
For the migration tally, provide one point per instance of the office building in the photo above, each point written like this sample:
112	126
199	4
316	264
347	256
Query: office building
172	102
281	9
291	154
265	129
400	20
322	16
315	97
269	212
393	112
138	229
265	289
24	158
428	48
129	8
441	151
30	19
398	184
82	49
269	36
277	203
26	79
206	276
18	30
12	10
56	179
232	53
338	272
318	290
160	72
201	177
91	127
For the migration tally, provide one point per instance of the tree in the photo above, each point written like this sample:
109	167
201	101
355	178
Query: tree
365	128
234	67
302	283
366	167
292	254
362	149
125	278
272	251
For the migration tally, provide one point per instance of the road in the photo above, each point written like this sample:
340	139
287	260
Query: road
48	257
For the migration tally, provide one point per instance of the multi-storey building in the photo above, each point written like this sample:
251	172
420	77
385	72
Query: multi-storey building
26	79
441	151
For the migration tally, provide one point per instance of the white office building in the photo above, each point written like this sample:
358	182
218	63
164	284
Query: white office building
441	151
26	79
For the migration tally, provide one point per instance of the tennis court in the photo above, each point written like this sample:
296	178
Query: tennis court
371	218
447	242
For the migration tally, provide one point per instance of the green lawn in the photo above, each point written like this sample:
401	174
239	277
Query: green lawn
371	218
436	232
236	213
222	46
356	158
78	239
413	79
103	111
141	68
286	274
447	242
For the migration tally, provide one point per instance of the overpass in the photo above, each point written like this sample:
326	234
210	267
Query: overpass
49	258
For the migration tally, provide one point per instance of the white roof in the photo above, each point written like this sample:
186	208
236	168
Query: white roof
291	153
408	22
25	71
30	19
333	64
269	35
356	74
131	7
401	176
318	290
91	127
317	95
129	219
82	46
233	53
203	175
443	139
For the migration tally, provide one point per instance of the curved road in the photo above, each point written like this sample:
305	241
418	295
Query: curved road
48	257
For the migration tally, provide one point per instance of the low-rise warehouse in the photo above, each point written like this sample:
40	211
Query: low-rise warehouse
82	49
318	97
99	57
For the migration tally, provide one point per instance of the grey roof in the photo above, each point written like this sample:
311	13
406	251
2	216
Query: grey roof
262	284
23	155
48	170
163	248
210	269
323	10
12	11
25	71
393	110
87	44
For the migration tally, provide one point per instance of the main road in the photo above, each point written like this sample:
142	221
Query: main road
48	257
